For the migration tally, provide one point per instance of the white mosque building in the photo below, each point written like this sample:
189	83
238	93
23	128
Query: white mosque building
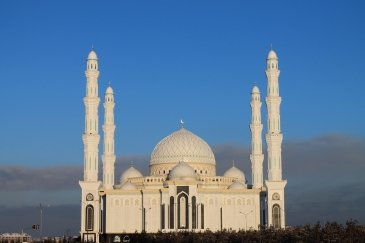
182	191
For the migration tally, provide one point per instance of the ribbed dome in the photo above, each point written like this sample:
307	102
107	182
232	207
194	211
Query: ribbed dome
237	185
128	186
130	173
182	145
235	173
272	55
92	55
182	171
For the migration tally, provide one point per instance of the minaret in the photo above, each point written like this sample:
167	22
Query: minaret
275	185
91	135
90	198
274	136
108	146
256	156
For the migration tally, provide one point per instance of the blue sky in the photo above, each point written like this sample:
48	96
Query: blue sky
167	60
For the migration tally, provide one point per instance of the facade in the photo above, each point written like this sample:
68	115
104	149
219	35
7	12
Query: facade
182	191
15	238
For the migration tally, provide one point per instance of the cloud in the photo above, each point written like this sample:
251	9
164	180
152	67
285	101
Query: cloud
331	158
326	203
57	220
327	155
338	158
325	176
325	180
140	162
225	154
28	178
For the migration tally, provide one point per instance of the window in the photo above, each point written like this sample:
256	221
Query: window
276	217
193	207
182	213
89	226
171	212
163	216
202	216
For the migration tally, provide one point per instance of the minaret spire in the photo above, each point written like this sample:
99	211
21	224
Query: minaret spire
91	134
108	145
256	156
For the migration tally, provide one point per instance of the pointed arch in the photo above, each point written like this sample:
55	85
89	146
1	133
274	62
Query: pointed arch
89	222
276	216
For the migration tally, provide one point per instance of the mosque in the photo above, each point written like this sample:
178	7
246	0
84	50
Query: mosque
182	191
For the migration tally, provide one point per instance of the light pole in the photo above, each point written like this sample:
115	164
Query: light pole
145	221
41	225
245	214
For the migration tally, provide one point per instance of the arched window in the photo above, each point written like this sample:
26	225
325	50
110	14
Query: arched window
89	224
276	217
182	213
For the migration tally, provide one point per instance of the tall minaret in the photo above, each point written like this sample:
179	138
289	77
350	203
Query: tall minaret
91	135
274	136
108	148
90	206
275	185
256	142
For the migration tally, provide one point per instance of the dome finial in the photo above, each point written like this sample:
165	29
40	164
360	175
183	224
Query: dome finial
232	163
181	123
271	46
131	163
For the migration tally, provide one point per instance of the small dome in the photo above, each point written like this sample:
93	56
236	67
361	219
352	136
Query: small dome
237	185
130	173
92	55
235	173
109	90
182	171
255	89
128	186
272	55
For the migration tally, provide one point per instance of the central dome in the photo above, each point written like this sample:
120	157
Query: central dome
182	145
